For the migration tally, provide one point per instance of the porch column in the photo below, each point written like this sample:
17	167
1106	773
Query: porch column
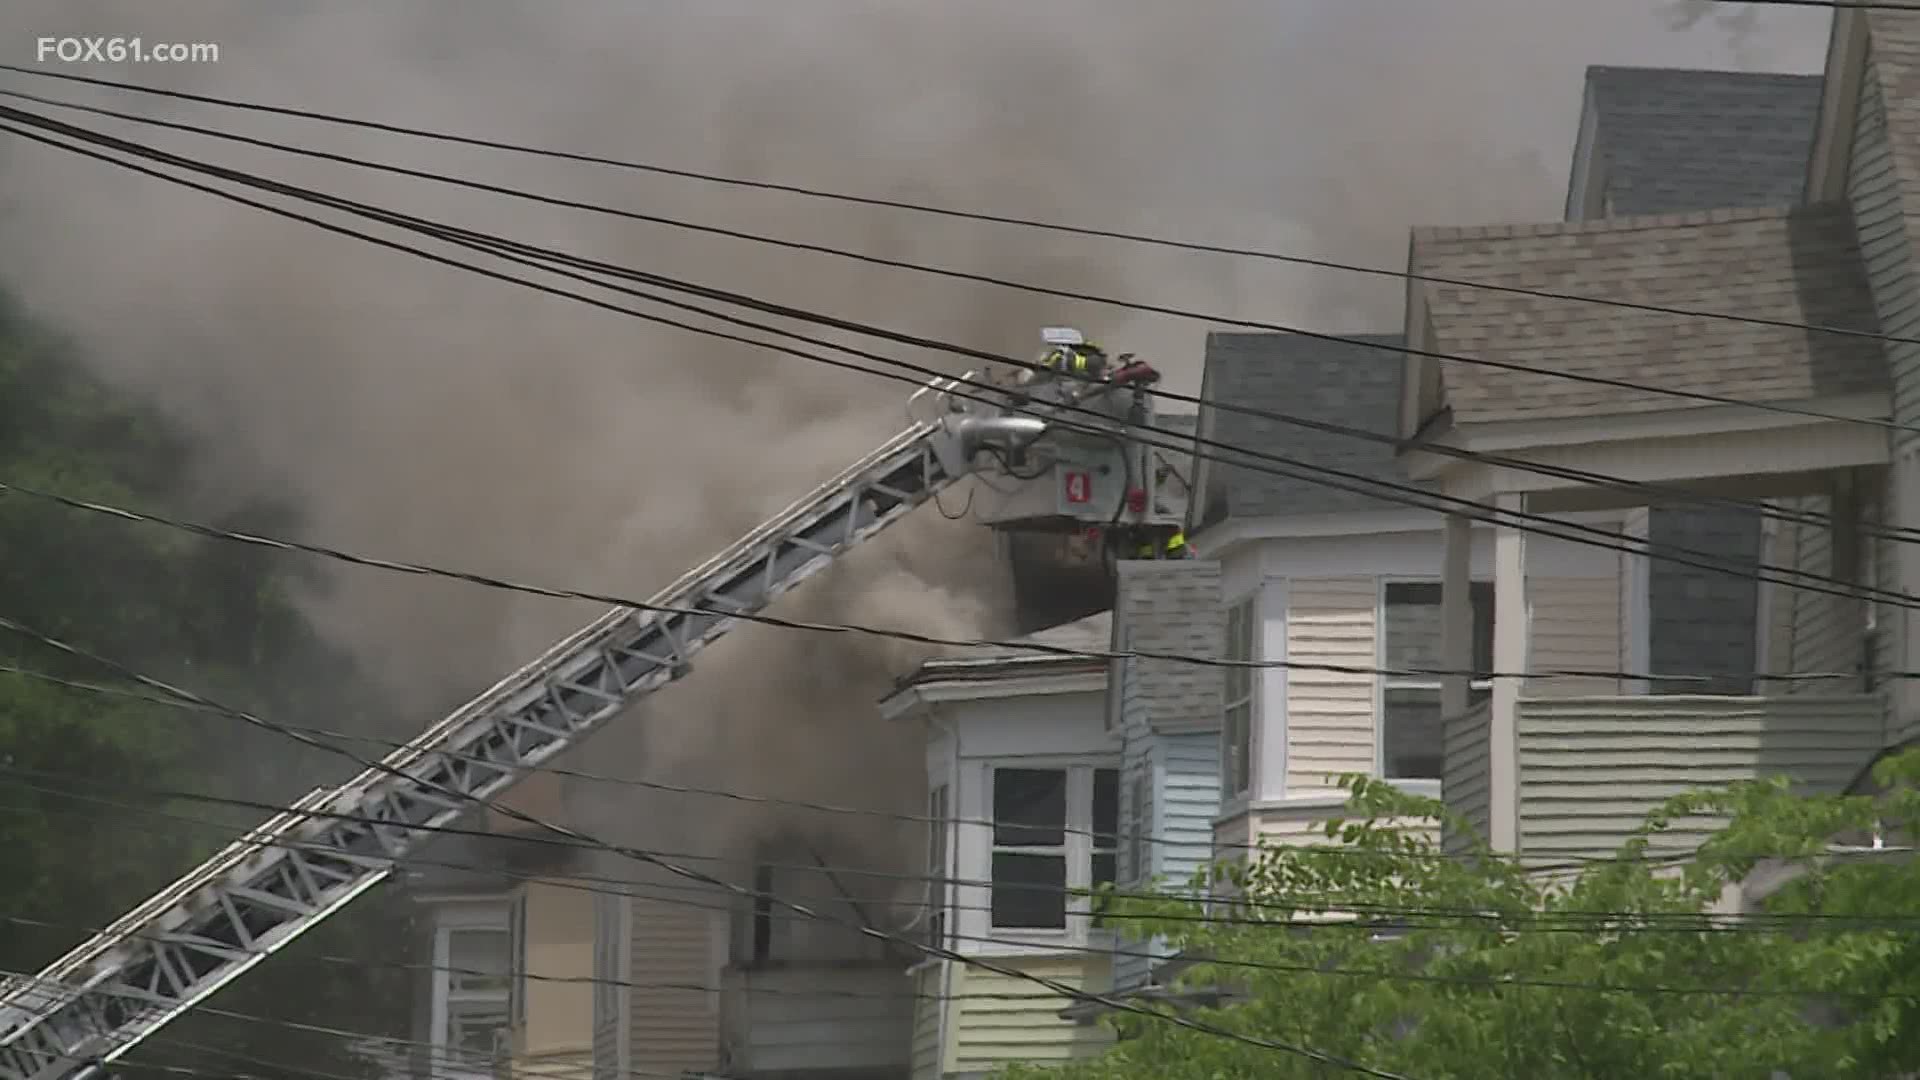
1509	658
1456	619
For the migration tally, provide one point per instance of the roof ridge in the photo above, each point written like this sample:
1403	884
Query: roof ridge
1755	76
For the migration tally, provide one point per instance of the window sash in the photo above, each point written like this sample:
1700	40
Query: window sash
1076	854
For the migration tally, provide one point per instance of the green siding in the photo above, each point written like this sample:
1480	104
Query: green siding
1592	768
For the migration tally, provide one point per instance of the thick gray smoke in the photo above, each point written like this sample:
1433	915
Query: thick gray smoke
421	413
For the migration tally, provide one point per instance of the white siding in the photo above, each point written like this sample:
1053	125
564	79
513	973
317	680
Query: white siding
1592	768
929	1053
1575	627
1330	715
819	1019
1464	783
672	1029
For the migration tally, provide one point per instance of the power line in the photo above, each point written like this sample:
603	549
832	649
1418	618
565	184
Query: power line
1575	860
1069	294
1317	474
1023	222
651	859
1575	920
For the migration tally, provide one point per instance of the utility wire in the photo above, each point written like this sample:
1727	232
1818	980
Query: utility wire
651	859
1316	474
1030	287
658	219
1575	919
1576	861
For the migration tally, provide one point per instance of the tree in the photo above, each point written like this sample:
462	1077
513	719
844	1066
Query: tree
85	824
1439	966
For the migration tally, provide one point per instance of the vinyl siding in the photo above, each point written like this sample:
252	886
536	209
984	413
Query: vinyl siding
815	1018
1575	626
1330	715
672	1030
1183	795
1306	824
1464	779
1886	246
930	984
564	1065
1140	775
1590	769
1022	1022
1190	797
609	997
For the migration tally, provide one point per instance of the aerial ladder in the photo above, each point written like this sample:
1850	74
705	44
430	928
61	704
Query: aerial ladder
1079	464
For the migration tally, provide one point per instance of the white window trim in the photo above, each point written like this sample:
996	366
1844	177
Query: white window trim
1232	797
1078	850
1383	682
479	913
941	842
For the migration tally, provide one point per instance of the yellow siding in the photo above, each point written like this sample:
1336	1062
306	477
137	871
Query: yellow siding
1330	715
559	944
1575	627
992	1031
931	986
1231	837
672	1030
558	1066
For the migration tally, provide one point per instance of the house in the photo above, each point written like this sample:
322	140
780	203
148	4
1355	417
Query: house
1023	769
1167	715
1313	575
1663	141
1778	413
519	930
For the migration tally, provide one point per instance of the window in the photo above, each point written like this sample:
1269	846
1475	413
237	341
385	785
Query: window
1411	725
937	870
1237	734
517	951
473	979
1137	831
1055	831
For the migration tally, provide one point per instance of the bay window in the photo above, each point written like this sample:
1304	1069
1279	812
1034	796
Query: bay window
1236	741
473	975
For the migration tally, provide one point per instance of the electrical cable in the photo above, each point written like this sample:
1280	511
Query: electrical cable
1207	317
1109	234
1576	860
1318	474
651	859
1585	921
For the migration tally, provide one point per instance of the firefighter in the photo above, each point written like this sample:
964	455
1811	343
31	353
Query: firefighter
1079	361
1175	548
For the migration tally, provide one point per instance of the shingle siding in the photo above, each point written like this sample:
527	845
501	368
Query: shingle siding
1172	607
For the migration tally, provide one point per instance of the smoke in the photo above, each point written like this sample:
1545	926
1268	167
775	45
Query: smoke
425	414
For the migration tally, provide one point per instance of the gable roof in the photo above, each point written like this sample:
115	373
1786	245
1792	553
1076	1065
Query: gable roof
1354	384
1798	265
1672	140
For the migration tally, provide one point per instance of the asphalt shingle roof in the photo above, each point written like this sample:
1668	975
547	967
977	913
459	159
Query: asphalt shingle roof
1356	385
1799	265
1671	140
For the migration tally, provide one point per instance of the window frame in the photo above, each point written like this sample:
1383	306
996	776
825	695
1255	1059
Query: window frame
1078	848
1478	689
1237	735
488	915
939	863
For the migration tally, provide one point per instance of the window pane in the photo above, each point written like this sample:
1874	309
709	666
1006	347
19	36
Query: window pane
1412	737
1030	807
487	952
472	1026
1239	647
1483	626
1239	727
1106	808
1029	891
1413	625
